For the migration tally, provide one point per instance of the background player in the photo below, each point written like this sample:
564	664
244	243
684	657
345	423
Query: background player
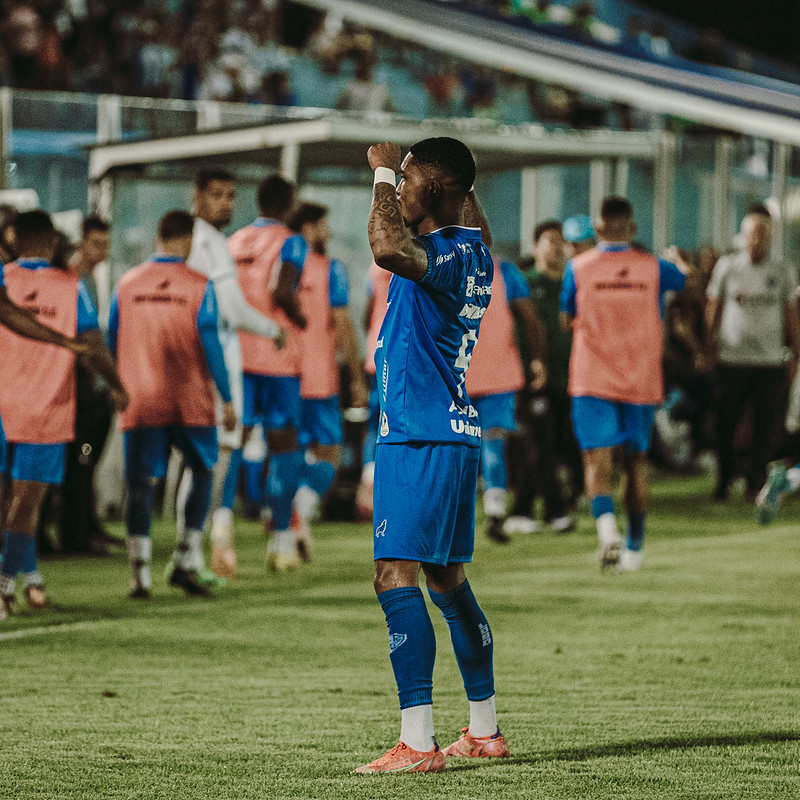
214	196
427	456
163	327
324	297
611	298
37	394
269	262
495	374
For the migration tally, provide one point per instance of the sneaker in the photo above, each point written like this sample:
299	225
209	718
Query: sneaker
209	578
187	580
610	553
281	562
139	592
563	524
470	746
223	561
401	758
768	500
495	531
36	595
631	560
521	525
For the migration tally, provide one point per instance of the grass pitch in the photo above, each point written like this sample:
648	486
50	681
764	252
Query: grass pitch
680	681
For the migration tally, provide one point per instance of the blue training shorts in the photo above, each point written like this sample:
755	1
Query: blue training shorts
606	423
272	400
496	411
147	449
3	450
424	502
43	463
321	422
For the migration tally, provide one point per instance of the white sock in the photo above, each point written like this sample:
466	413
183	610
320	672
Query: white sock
284	541
189	553
416	728
607	528
33	579
368	472
482	717
793	476
306	502
494	502
181	497
140	550
222	527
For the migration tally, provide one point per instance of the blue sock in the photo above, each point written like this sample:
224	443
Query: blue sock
199	499
471	637
602	504
254	481
635	531
231	480
493	463
412	644
281	486
140	507
318	476
370	443
19	553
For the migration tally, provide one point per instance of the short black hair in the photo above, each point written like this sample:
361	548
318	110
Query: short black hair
449	155
275	196
94	222
543	227
175	224
305	213
616	208
32	226
759	209
205	175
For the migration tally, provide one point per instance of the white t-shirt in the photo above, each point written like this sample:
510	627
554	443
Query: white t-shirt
752	298
211	257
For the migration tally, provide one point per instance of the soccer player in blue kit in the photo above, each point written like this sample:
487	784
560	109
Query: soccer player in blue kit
426	464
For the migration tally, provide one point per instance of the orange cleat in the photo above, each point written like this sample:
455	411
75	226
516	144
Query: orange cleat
401	758
469	746
36	596
223	561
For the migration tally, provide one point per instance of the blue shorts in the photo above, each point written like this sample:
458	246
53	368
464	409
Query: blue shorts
3	450
496	411
424	502
43	463
321	423
607	423
272	400
147	449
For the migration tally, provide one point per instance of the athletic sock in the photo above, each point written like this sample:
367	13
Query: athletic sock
471	638
635	531
140	549
412	645
603	513
306	502
793	476
482	717
284	541
493	464
317	475
416	727
494	502
222	527
231	480
189	551
19	553
281	485
33	578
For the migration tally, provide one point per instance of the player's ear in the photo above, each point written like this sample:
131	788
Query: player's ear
434	192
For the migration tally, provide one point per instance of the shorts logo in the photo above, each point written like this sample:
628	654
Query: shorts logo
384	425
395	640
380	530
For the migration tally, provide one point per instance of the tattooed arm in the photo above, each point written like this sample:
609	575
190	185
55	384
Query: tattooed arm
392	244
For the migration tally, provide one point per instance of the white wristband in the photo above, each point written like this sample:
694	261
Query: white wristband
384	175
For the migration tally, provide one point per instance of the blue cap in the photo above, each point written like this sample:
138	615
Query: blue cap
578	228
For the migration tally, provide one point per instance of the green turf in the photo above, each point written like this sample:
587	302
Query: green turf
681	681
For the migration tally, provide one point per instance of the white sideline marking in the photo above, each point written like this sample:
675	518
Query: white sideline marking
45	629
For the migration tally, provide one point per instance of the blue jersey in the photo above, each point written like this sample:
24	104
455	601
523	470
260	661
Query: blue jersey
426	341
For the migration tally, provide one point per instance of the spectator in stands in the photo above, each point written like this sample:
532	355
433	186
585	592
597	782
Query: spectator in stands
751	311
709	49
276	90
578	234
34	56
582	21
362	93
537	11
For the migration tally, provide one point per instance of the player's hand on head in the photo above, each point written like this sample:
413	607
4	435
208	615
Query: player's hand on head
228	417
385	154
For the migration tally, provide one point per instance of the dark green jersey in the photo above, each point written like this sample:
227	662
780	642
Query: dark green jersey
545	294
